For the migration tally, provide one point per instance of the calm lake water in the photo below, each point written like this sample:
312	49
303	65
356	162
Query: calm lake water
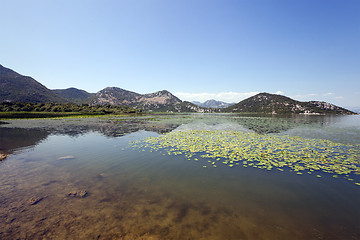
135	193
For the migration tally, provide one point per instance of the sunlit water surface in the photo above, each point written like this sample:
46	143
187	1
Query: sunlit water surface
140	194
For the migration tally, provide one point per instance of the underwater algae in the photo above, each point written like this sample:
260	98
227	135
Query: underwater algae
264	151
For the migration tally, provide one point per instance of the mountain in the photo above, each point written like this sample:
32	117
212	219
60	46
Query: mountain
355	109
15	87
213	104
75	95
272	103
18	88
161	101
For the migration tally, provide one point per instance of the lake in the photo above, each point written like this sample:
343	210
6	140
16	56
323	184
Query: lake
116	178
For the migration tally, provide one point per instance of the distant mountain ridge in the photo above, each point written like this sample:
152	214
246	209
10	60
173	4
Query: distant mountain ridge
273	103
162	101
15	87
212	103
75	95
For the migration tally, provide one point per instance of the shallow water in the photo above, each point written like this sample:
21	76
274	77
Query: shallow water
141	194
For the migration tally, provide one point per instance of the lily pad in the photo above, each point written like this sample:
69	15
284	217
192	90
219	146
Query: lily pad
264	151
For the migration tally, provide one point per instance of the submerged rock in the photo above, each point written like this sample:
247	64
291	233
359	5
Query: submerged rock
35	200
66	157
103	175
78	194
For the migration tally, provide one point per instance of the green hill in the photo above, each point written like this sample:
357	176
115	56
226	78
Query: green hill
75	95
278	104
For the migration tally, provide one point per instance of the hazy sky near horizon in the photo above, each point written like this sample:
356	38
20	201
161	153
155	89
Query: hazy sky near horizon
197	49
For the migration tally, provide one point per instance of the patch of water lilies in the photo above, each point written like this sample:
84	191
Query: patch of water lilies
232	148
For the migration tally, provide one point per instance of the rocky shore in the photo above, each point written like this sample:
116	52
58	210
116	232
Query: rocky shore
3	156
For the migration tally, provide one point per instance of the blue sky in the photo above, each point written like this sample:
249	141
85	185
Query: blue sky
196	49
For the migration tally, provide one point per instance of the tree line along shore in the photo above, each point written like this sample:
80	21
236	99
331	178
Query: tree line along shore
24	110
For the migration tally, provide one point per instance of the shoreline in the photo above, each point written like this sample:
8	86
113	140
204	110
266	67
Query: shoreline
3	156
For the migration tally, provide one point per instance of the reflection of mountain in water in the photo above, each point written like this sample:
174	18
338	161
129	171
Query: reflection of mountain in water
108	126
261	125
23	133
26	133
15	138
115	128
278	124
266	125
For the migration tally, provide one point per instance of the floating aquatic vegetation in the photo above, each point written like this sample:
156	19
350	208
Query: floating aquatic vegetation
267	152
